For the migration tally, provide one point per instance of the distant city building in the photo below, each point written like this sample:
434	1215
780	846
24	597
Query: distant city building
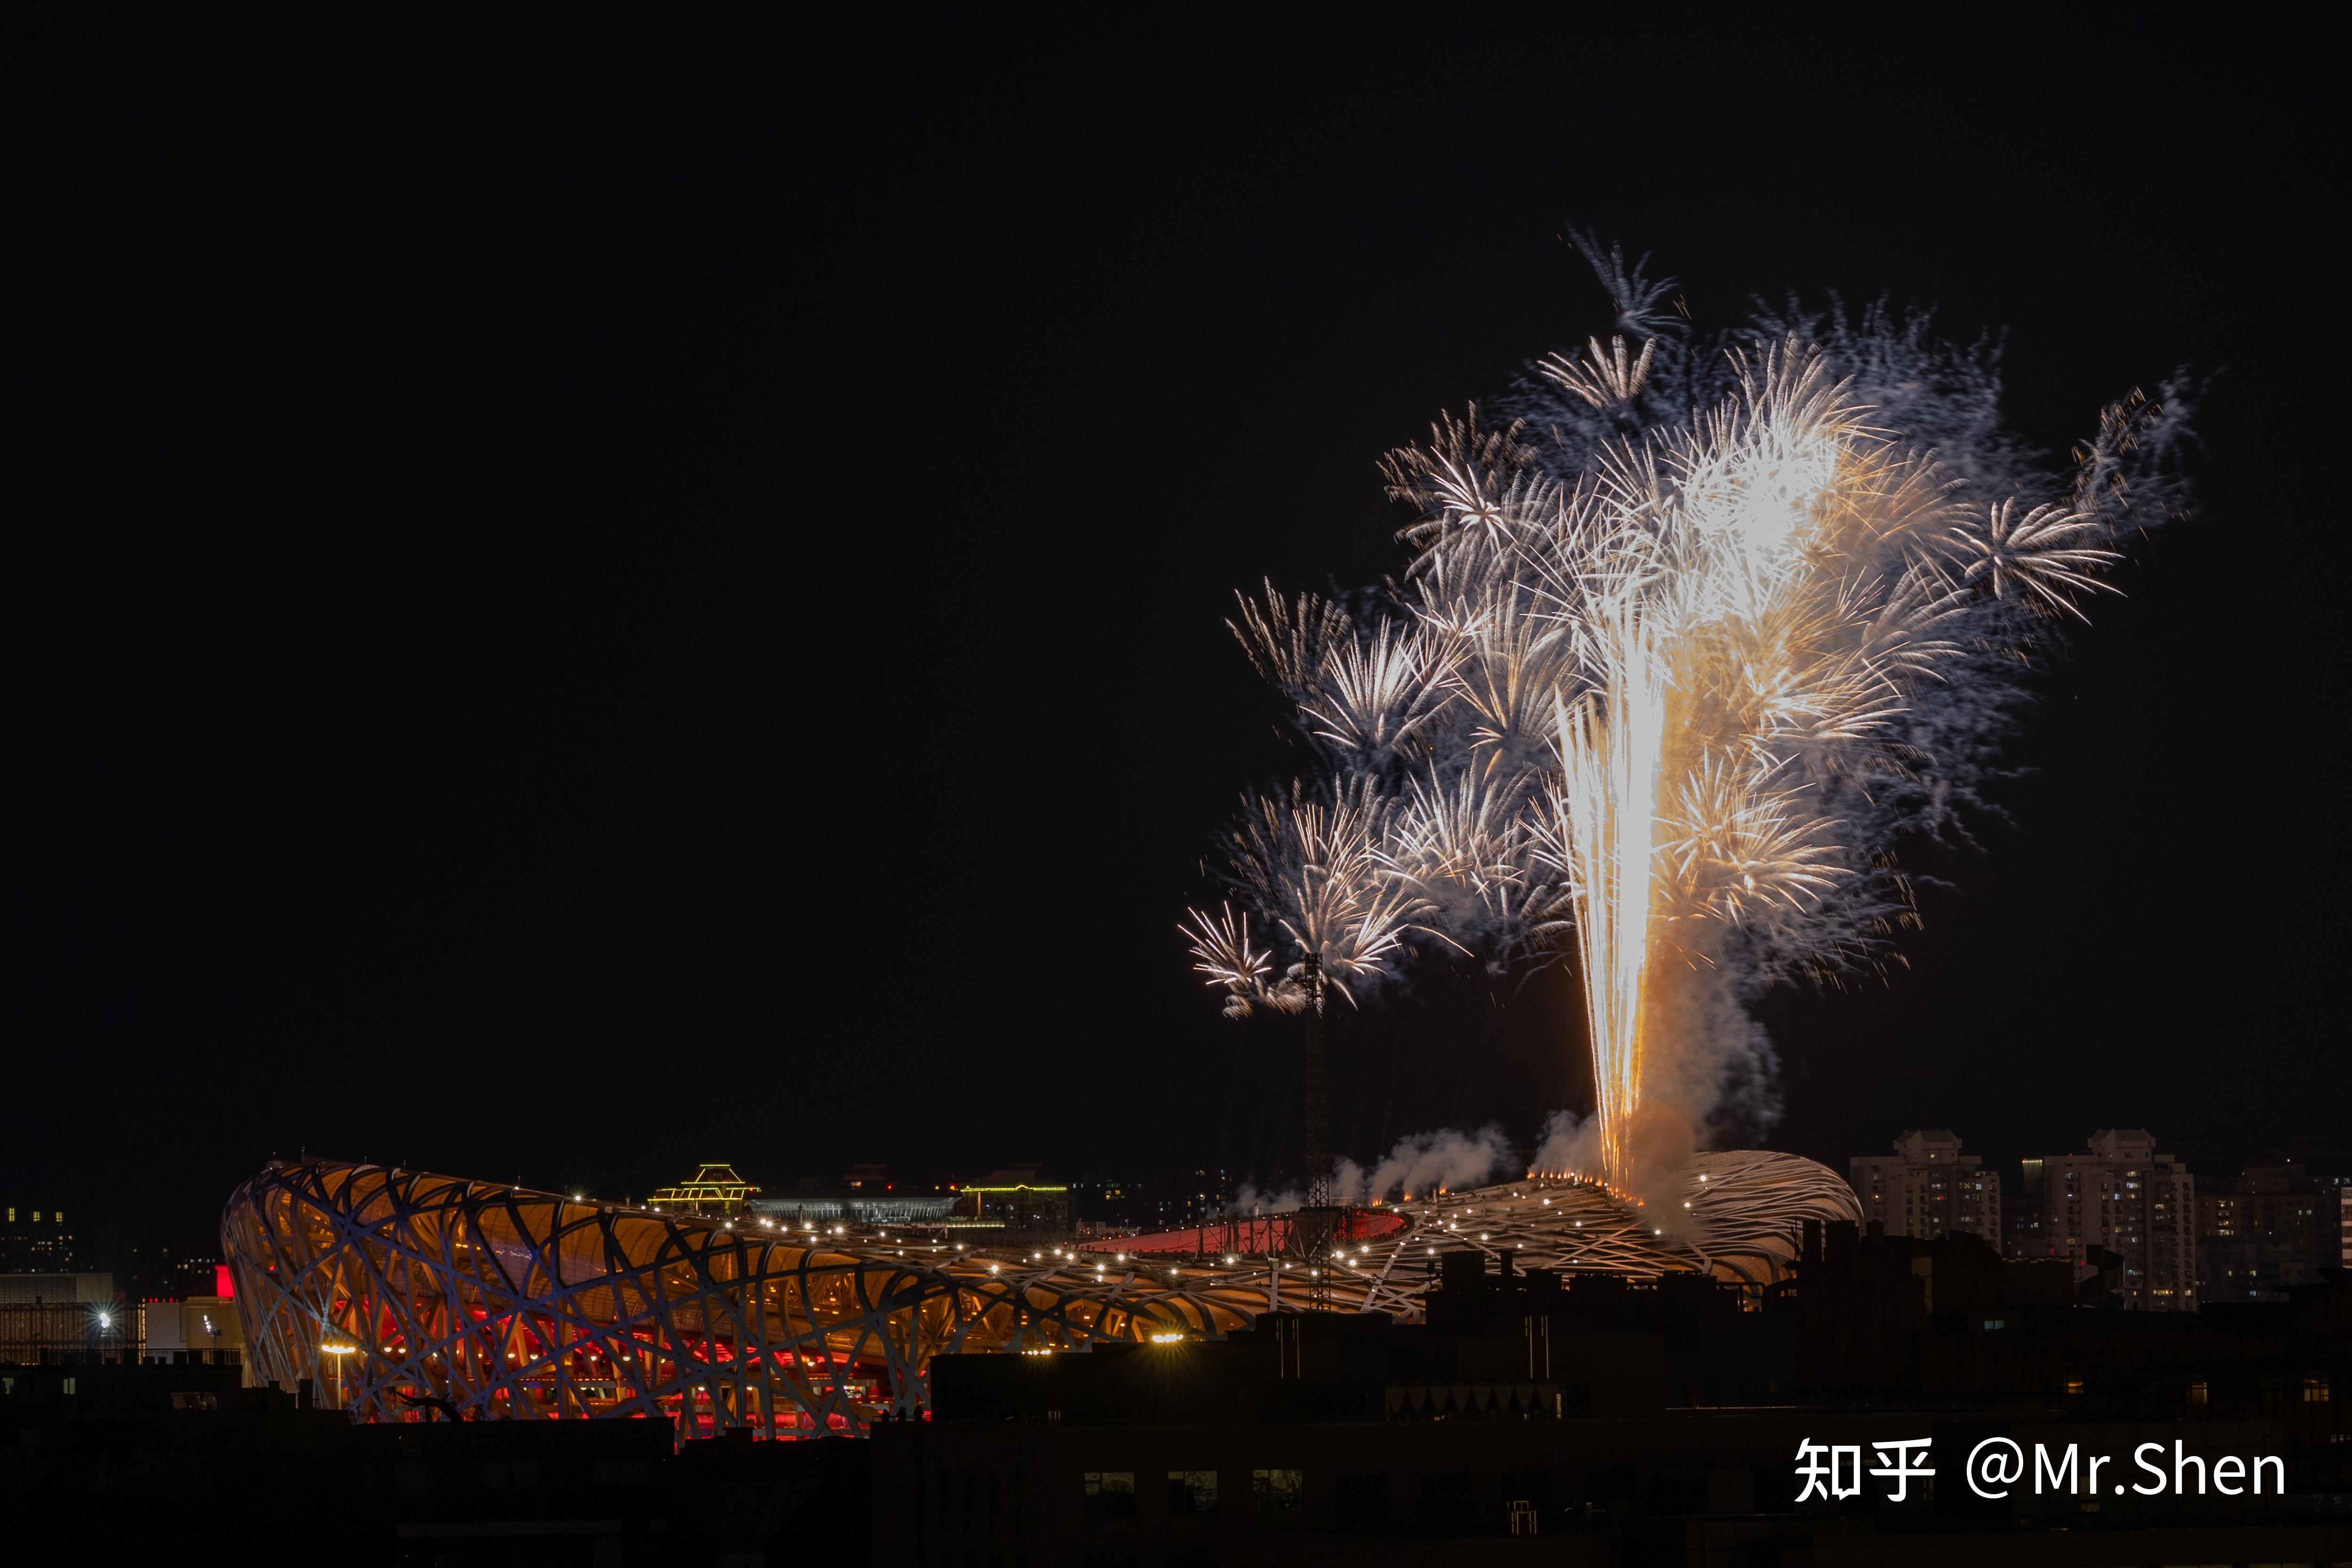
714	1191
37	1241
1927	1188
2275	1226
88	1288
1034	1210
1150	1199
2023	1233
2125	1198
871	1194
52	1317
926	1209
153	1271
199	1330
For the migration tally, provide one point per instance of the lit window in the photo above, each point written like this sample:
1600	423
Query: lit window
1191	1491
1110	1492
1276	1492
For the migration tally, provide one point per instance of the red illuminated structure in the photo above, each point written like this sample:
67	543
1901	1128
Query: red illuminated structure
1257	1236
404	1294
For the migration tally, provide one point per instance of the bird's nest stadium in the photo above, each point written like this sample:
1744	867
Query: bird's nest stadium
399	1293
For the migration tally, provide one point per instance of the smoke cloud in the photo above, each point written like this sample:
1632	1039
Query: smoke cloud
1422	1163
1569	1143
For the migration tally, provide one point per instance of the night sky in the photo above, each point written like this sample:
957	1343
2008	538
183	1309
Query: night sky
570	621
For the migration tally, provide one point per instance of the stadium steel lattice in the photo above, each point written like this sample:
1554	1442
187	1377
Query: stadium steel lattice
399	1292
1742	1219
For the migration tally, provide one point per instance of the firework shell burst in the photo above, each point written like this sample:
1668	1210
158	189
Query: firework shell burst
1685	649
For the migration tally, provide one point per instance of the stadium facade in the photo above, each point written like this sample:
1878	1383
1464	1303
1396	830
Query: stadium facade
400	1294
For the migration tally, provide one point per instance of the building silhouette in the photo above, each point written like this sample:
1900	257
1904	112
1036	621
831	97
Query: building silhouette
2274	1226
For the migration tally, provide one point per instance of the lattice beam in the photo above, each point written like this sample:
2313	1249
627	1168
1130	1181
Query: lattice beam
508	1303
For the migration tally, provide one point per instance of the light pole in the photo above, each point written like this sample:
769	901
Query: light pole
338	1352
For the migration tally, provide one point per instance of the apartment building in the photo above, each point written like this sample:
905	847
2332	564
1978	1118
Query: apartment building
2129	1200
1928	1188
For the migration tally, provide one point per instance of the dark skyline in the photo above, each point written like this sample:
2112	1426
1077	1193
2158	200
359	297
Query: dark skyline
567	631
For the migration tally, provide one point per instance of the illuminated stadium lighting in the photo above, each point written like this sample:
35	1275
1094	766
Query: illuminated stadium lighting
325	1254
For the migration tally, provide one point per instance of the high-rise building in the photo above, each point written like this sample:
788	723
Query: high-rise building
2275	1224
1928	1188
1150	1199
2022	1231
37	1241
2129	1200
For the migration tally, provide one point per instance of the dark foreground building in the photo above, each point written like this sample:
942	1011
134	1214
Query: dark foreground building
1603	1424
182	1465
1532	1419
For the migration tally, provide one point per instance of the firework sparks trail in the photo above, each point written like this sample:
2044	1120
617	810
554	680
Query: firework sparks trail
1666	689
1610	751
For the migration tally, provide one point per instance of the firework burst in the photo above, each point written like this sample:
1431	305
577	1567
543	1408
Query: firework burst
1683	651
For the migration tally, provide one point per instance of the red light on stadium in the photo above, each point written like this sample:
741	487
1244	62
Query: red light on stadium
224	1283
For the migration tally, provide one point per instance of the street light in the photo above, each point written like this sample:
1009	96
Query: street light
338	1352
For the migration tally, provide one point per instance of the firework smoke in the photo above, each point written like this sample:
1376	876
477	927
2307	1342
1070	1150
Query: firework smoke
1421	1164
1685	649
